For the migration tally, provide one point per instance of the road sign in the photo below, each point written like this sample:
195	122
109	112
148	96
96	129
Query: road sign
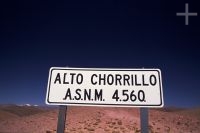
105	87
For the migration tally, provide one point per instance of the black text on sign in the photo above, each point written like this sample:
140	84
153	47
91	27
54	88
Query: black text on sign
105	87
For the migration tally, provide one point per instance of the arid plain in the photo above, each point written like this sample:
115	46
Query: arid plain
32	119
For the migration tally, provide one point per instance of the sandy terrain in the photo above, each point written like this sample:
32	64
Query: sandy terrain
15	119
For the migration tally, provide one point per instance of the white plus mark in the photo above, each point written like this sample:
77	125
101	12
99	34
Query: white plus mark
186	14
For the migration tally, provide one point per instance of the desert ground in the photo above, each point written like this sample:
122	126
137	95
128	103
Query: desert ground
31	119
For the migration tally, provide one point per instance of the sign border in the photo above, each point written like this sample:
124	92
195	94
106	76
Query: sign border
96	104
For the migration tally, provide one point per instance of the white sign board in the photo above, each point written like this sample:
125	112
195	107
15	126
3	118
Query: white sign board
105	87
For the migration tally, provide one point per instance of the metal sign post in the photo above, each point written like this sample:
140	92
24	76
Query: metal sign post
61	119
144	120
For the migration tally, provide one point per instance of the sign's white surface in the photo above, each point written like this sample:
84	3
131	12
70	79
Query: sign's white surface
105	87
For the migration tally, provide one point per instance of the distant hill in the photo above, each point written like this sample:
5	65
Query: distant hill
15	110
4	115
171	109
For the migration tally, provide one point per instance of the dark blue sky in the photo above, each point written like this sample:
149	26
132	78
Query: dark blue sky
36	35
